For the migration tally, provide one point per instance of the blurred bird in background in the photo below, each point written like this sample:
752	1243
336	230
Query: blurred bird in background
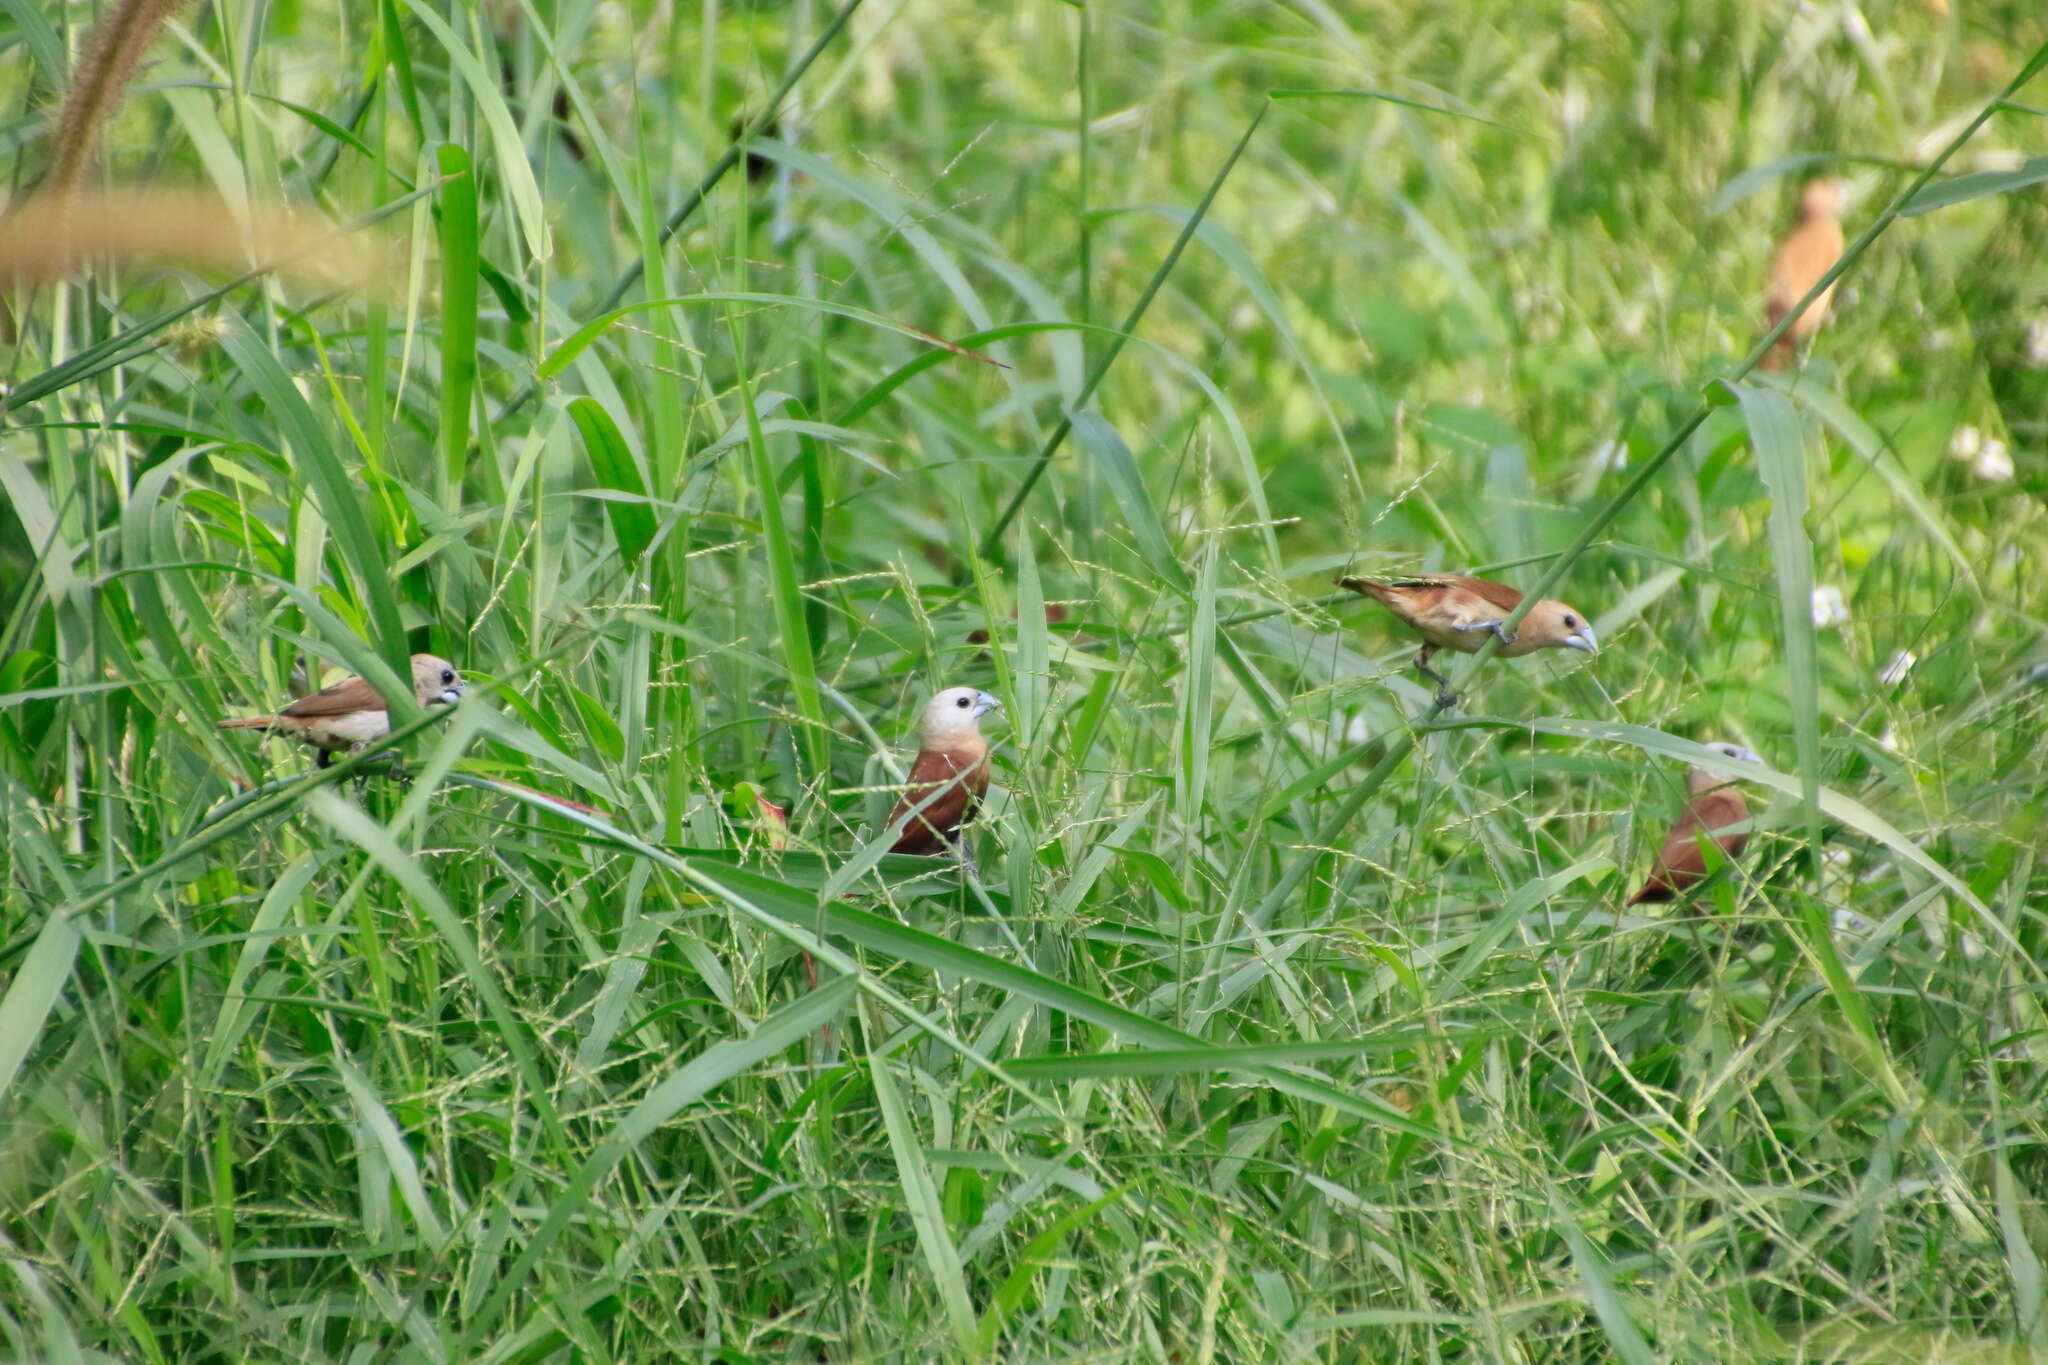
1712	804
1812	246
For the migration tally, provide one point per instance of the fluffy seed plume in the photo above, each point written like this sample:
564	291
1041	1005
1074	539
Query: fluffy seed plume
113	51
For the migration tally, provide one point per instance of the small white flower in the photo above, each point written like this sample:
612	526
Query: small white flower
1572	107
1633	322
2036	350
1610	455
1849	923
1829	607
1894	673
1965	444
1993	463
1244	317
2037	343
1358	729
1889	740
1936	927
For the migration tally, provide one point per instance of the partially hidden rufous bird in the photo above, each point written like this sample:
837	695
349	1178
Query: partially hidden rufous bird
350	713
950	774
1459	612
1712	804
1808	252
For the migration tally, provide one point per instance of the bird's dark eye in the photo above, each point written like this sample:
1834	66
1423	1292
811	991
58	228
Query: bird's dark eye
447	677
962	702
1571	622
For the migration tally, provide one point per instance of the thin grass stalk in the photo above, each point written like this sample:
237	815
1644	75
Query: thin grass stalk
1123	334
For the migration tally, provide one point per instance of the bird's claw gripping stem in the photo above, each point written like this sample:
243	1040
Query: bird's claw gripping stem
1500	632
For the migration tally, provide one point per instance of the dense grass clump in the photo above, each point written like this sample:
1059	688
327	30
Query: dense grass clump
1284	1018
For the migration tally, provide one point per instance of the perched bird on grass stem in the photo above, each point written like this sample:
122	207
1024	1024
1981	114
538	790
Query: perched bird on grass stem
950	774
1808	252
1712	804
1459	612
350	713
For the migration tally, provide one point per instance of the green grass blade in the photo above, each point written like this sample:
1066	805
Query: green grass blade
1943	193
457	228
614	467
717	1064
1598	1278
335	492
1780	448
921	1199
508	151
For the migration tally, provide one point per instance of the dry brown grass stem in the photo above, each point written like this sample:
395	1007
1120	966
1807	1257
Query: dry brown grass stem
51	235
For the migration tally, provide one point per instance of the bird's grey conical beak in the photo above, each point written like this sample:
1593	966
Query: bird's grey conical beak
1583	641
984	703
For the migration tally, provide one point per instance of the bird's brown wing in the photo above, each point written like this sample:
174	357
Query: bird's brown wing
958	777
350	694
1494	594
1434	607
1681	862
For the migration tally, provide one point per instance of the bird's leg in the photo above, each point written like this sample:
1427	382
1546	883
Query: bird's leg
967	863
1499	632
1445	698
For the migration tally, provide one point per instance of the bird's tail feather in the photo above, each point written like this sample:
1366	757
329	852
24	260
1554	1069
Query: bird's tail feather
1374	590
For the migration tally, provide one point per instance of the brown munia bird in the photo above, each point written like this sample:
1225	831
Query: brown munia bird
1459	612
1809	250
1712	804
350	713
950	774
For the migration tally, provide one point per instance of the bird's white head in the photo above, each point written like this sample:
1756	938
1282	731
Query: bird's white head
1821	198
1736	751
1698	779
955	714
